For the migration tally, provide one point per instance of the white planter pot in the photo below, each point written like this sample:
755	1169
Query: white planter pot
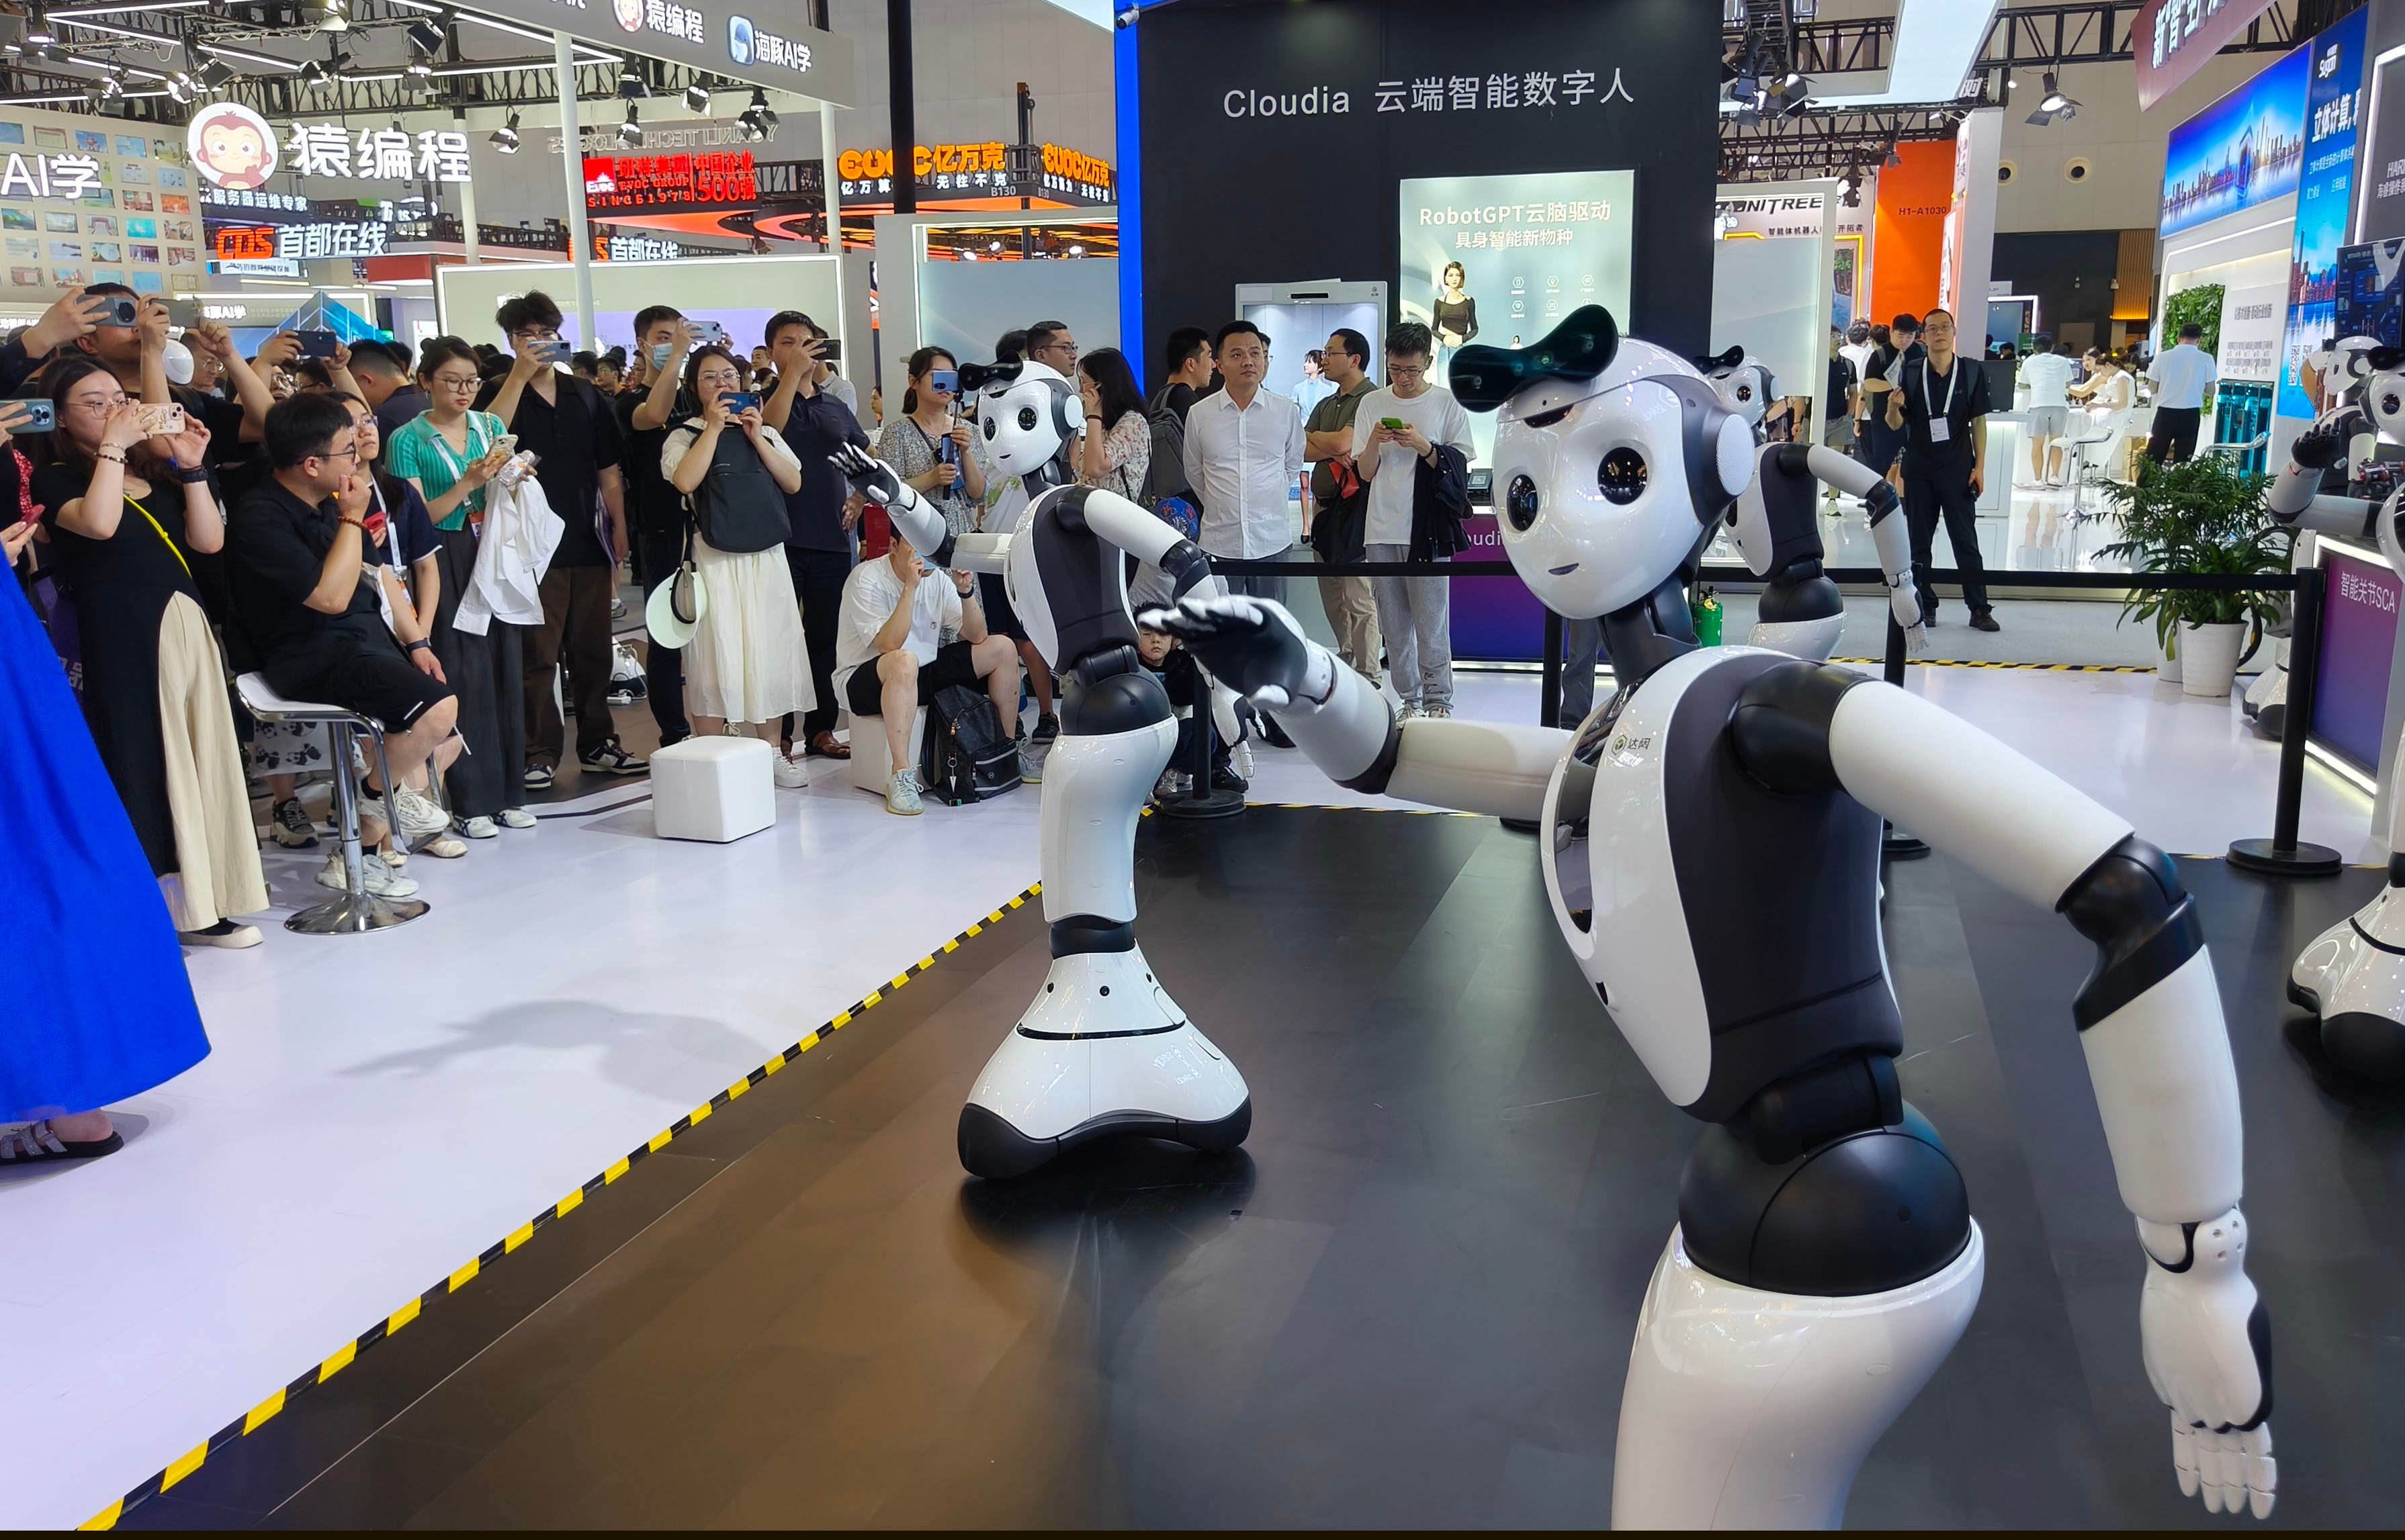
2169	669
2209	657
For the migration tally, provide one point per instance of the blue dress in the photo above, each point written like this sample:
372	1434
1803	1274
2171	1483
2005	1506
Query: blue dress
95	1003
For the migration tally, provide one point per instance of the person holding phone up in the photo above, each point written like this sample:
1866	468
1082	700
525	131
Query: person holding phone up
820	516
128	515
930	447
1394	429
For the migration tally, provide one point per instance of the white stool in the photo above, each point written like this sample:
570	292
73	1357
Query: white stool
717	789
872	761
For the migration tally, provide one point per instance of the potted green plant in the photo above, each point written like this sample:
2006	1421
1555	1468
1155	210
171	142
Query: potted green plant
2204	517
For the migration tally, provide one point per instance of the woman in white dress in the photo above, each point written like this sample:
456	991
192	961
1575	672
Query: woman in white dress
747	662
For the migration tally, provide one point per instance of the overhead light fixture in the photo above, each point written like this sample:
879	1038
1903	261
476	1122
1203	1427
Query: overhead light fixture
182	88
631	84
1894	159
630	133
505	138
2054	106
697	97
1850	188
757	120
425	37
215	74
329	15
38	33
111	87
313	74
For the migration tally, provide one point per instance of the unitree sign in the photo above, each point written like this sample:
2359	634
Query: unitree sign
709	179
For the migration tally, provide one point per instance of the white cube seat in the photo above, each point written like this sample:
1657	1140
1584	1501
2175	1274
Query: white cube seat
717	789
872	761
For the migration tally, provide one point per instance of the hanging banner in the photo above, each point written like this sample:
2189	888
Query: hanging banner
767	47
2325	198
2173	39
2251	322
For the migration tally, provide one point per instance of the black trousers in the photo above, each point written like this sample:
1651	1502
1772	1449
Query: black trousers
1932	493
818	583
488	673
574	634
2174	434
656	556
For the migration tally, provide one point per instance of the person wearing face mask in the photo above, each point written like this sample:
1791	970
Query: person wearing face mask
655	512
746	662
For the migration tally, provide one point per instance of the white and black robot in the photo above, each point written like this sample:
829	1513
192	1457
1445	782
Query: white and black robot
1725	906
2352	975
1743	382
1776	525
1102	1050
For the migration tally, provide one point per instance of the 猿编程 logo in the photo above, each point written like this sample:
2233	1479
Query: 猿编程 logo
231	147
748	44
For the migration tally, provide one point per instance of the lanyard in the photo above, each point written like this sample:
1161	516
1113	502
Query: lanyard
391	532
1953	378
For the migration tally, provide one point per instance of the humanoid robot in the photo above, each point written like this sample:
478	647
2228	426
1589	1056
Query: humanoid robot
1103	1050
2352	975
1743	382
1825	1259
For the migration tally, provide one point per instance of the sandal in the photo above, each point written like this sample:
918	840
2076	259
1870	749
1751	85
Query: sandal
827	745
35	1143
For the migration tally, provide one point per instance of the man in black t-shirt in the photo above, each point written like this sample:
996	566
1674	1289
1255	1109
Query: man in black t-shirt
817	545
652	404
1940	401
565	422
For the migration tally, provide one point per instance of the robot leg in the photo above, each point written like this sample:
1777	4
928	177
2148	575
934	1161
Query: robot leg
2353	976
1103	1050
1751	1409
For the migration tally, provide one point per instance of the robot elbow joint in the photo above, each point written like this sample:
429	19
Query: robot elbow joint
2133	906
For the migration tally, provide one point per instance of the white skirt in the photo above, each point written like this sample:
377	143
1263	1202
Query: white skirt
747	660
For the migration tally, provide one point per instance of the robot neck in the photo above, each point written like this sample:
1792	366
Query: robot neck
1051	473
1640	637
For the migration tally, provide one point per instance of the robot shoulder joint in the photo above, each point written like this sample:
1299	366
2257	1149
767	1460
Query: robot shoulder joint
1780	725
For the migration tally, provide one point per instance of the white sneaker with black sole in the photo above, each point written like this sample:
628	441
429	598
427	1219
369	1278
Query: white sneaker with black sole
379	881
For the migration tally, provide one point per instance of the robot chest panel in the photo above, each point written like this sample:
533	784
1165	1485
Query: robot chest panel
1704	905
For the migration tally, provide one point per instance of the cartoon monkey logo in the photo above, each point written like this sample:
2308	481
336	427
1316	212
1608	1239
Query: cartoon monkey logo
232	147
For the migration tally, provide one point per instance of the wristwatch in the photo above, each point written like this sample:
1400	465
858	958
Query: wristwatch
420	644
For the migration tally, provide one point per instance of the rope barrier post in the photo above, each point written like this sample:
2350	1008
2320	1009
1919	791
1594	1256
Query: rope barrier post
1202	800
1549	682
2283	855
1895	843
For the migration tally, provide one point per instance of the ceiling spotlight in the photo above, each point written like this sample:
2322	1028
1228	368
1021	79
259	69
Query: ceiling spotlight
1850	188
216	74
505	138
1894	159
697	97
39	33
313	74
2053	107
757	120
630	133
425	36
329	15
181	88
631	84
111	87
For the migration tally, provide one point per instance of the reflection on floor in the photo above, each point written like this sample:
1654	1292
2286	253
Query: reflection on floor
379	1109
1407	1301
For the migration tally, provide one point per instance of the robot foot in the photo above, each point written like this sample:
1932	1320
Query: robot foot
2353	977
1103	1052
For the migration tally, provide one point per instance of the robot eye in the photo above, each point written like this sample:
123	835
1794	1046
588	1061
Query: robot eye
1745	393
1027	419
1622	476
992	426
2389	405
1520	503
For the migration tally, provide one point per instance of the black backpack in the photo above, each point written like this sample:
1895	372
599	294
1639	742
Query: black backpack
966	756
1164	475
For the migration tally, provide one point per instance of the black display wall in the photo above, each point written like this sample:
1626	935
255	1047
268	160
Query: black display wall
1264	156
2070	271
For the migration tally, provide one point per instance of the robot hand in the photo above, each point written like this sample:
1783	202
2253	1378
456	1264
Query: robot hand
2324	444
1904	606
2207	1344
1254	648
870	476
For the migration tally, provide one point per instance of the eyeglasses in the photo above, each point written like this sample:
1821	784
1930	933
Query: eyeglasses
536	334
351	454
456	382
100	407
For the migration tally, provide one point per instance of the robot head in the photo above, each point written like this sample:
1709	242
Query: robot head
2361	370
1612	458
1743	382
1027	412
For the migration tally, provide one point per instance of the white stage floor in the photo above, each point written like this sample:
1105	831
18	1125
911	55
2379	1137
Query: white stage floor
379	1109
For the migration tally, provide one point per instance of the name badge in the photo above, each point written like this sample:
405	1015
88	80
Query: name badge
1940	430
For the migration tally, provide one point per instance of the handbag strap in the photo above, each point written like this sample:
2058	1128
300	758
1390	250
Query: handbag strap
136	504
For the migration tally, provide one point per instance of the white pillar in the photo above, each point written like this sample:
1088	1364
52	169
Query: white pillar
468	218
833	240
571	151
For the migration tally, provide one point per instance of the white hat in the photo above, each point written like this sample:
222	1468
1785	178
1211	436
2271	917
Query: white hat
675	608
179	362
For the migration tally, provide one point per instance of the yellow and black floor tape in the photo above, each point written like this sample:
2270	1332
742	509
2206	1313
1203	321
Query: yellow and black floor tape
260	1415
1995	663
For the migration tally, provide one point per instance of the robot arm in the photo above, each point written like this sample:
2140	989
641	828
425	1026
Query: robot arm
2149	1015
919	521
2295	498
1889	535
1347	728
1115	520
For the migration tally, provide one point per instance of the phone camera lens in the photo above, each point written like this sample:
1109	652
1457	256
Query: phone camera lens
1520	503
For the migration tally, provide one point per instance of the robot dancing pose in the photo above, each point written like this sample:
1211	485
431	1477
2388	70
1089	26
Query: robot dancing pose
1825	1259
2352	975
1102	1050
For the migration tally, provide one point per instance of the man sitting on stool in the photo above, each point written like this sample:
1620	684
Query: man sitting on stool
891	655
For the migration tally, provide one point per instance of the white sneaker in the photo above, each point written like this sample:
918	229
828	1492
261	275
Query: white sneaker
392	854
1406	711
444	846
1241	759
381	881
789	773
1438	713
479	827
902	794
515	818
228	933
419	815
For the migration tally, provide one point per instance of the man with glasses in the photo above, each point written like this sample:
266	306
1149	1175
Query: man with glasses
297	562
137	355
818	518
575	435
1395	431
1049	343
1940	404
1244	459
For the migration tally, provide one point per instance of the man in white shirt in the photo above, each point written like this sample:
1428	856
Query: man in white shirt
2047	375
2180	377
1395	430
891	654
1244	459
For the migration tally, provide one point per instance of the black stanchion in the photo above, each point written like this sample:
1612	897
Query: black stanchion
1548	682
1202	800
1895	843
2283	854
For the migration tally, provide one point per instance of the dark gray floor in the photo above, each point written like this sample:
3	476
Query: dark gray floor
1407	1302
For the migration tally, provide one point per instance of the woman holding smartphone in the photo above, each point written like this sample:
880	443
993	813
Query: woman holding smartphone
747	662
446	455
929	448
127	514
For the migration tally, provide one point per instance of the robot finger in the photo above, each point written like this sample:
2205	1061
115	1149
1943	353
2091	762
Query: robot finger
2183	1455
1916	637
2263	1471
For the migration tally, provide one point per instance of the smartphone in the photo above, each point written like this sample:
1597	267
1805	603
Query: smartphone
45	416
708	334
739	403
1392	425
551	350
124	310
945	379
831	351
185	312
317	343
507	443
158	419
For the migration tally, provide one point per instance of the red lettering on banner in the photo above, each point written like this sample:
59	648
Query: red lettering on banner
670	181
